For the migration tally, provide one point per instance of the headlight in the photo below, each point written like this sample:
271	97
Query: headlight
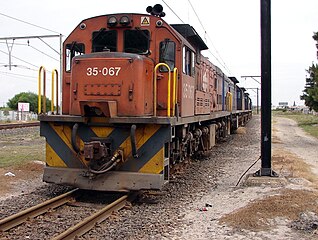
124	20
112	21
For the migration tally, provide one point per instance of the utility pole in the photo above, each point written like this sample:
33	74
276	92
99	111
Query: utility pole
266	114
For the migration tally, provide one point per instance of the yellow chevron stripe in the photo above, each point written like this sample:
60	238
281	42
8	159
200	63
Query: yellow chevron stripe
142	136
65	133
102	131
155	164
52	159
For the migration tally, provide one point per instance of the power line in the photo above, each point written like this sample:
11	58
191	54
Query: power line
19	20
172	10
17	66
21	60
19	75
205	32
197	16
29	37
28	44
19	44
44	53
49	46
225	66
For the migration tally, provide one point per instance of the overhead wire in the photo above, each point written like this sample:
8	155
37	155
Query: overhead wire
17	66
49	46
218	59
31	24
172	11
20	59
19	75
44	53
206	33
28	44
34	25
19	44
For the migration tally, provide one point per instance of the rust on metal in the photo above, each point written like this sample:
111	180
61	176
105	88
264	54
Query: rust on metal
19	125
89	222
18	218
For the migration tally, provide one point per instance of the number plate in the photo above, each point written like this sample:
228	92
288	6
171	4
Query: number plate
105	71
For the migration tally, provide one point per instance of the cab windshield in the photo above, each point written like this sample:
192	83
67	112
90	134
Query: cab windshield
136	41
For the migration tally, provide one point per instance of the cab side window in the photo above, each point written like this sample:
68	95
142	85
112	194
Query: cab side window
167	50
72	50
188	62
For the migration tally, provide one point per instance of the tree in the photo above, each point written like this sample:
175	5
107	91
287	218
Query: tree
310	93
315	37
311	88
27	97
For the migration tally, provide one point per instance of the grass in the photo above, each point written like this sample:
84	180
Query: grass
19	155
20	147
309	123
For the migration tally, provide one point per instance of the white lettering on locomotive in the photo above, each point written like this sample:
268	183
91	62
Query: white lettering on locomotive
188	91
105	71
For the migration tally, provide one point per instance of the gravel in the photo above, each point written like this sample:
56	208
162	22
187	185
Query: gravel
166	219
155	215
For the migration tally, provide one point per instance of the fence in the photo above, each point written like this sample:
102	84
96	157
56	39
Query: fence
9	116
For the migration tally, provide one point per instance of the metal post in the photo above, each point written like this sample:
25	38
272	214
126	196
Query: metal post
257	109
61	76
10	55
266	115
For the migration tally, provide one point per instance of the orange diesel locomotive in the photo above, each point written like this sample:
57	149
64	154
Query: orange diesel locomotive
137	97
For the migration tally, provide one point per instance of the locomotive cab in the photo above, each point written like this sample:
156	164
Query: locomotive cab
110	62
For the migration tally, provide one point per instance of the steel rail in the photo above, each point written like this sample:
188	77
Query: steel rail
20	217
19	125
89	222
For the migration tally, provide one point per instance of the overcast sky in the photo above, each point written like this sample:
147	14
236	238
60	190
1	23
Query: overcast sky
232	33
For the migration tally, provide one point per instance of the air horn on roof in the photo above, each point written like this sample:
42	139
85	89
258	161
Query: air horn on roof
156	10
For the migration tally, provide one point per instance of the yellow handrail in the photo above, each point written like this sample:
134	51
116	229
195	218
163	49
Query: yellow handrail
229	101
39	90
175	85
54	73
155	90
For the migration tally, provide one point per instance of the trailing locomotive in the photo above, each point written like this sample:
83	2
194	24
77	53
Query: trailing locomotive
137	97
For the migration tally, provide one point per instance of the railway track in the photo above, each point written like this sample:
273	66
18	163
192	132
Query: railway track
19	125
77	230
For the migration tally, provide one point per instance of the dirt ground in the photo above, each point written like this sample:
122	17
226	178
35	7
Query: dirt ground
23	151
258	208
265	208
24	179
